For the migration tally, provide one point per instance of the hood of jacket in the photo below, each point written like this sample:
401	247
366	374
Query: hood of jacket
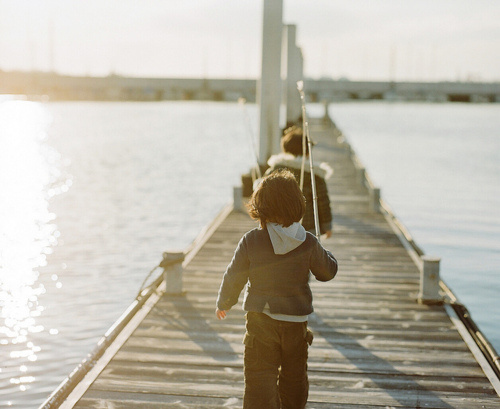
286	239
288	160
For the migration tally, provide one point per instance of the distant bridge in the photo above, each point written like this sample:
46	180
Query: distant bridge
331	90
117	88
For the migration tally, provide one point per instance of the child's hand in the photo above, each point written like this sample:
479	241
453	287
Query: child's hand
221	314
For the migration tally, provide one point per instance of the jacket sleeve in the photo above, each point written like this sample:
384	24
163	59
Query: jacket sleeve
323	264
235	277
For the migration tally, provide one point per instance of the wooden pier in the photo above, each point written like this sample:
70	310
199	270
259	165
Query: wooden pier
375	346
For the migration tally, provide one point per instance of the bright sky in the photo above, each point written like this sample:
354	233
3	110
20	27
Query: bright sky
422	40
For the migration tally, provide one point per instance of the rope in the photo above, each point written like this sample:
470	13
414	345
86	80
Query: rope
142	288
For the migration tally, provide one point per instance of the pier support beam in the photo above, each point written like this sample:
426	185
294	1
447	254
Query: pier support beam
269	86
172	271
429	281
293	67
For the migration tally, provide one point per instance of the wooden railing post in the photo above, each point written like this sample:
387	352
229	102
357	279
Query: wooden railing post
375	199
364	180
326	116
238	198
429	281
172	271
361	175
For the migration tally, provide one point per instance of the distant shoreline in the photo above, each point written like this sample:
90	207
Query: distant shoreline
52	86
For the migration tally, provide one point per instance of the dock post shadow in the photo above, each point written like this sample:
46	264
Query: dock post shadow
420	396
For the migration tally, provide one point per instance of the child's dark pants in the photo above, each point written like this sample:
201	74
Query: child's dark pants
275	363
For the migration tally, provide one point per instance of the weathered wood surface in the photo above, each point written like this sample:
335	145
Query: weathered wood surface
374	346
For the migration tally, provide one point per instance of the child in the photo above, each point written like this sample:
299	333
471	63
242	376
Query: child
291	158
274	261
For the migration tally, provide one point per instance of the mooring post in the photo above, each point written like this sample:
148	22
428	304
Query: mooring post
238	198
172	271
361	175
375	199
326	116
429	281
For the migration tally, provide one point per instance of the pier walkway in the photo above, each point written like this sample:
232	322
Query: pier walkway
375	346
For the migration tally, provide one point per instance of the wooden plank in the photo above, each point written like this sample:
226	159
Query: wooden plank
123	400
154	372
326	388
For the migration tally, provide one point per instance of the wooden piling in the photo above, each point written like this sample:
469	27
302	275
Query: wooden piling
172	271
429	281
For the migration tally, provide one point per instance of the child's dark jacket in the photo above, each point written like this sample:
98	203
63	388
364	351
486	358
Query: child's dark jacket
279	281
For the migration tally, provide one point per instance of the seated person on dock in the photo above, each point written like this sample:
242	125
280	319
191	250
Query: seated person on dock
291	158
273	261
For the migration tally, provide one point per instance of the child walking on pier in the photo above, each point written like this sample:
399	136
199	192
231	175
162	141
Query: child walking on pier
291	159
274	262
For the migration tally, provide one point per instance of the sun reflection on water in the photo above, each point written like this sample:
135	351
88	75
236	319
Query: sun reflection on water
29	176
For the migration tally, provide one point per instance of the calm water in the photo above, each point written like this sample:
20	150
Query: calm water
93	193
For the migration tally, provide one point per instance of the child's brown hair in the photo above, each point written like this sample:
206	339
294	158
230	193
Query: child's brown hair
277	199
291	142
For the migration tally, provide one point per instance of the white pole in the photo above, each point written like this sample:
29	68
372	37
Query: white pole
269	87
293	72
